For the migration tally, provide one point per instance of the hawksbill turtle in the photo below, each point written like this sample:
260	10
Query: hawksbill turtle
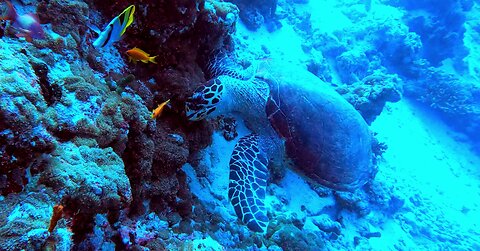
292	114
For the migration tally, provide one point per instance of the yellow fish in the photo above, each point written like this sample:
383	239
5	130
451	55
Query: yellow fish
158	111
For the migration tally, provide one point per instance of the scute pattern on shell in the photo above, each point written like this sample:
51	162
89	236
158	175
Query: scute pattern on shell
327	139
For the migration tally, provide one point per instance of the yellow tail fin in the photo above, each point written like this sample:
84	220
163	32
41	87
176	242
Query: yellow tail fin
152	59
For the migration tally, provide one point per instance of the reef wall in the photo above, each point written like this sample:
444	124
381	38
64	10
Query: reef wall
76	120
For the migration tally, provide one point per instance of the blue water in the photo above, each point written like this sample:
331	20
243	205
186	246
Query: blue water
369	139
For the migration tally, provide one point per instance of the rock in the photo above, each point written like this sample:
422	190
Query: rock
354	202
299	222
369	235
185	226
291	238
274	248
327	225
202	244
228	126
173	219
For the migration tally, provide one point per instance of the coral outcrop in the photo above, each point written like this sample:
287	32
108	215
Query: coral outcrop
440	27
24	222
92	180
370	95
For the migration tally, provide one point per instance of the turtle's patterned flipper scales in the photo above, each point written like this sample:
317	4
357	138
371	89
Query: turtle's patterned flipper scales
248	181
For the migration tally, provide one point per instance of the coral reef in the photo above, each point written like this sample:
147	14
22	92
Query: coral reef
440	27
67	17
24	221
352	65
391	47
83	165
93	180
77	120
363	61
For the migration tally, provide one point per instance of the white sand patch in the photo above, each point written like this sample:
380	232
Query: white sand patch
422	148
299	194
424	161
213	189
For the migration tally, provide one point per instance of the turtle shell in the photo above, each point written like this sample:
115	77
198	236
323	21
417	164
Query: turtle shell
327	139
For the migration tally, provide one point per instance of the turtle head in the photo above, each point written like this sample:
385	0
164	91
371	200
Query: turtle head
204	100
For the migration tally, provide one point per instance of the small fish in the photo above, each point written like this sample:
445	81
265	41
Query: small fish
115	29
158	111
137	54
28	25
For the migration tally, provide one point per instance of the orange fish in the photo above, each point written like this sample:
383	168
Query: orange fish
137	54
158	111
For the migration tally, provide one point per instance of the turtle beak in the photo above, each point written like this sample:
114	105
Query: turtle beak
192	114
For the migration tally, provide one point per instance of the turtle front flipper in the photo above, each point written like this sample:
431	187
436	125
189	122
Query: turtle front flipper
248	182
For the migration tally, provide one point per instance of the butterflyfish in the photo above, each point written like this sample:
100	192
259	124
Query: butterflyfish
115	29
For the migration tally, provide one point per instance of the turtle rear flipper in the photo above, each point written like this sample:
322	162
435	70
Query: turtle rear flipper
248	182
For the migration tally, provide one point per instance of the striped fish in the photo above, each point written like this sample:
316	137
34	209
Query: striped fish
115	29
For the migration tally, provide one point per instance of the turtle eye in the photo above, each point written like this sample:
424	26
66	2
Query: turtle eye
204	100
197	99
